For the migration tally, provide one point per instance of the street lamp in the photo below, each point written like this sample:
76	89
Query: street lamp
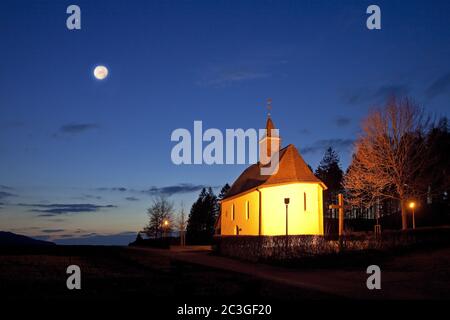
165	226
286	202
412	205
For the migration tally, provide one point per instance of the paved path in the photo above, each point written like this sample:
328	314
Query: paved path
397	283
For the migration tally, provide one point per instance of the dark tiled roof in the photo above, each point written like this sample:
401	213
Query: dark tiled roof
292	168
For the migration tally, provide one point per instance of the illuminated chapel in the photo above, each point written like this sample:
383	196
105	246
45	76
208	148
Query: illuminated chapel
286	202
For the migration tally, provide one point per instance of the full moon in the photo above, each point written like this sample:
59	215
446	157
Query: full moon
100	72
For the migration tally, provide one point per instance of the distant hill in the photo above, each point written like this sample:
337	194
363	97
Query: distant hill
12	239
119	239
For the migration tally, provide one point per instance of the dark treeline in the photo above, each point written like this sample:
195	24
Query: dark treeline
203	216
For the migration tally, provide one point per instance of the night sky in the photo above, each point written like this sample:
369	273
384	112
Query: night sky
80	157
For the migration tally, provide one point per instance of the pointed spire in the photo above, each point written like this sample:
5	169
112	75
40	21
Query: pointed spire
269	106
269	126
271	140
269	122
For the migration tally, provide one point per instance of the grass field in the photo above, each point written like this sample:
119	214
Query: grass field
129	273
122	273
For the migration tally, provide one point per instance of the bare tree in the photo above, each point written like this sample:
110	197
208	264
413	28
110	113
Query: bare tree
160	217
389	157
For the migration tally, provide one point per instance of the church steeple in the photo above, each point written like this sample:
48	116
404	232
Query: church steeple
269	122
270	143
269	126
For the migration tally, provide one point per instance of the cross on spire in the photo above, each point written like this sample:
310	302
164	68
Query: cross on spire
269	106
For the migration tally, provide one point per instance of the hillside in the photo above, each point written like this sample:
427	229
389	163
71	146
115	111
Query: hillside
12	239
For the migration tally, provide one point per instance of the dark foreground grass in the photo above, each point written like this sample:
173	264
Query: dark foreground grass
120	273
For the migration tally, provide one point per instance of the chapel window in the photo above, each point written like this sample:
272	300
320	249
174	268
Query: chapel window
304	201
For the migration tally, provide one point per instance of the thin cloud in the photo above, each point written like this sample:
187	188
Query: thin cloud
322	145
174	189
52	230
63	236
227	77
121	189
342	121
131	199
384	92
440	86
304	131
4	194
57	220
88	197
75	128
50	210
11	124
367	96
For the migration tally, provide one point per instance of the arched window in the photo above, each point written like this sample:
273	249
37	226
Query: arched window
304	201
247	210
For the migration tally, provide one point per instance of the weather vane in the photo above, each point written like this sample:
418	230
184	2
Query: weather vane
269	106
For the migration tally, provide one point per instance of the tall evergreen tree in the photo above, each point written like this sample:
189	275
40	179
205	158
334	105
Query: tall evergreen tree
436	175
330	172
203	214
223	192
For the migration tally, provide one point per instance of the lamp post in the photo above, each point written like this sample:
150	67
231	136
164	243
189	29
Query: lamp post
286	202
412	205
165	226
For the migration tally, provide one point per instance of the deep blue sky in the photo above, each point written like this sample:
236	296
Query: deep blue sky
69	139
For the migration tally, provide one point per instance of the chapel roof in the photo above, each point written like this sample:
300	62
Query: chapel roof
292	168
